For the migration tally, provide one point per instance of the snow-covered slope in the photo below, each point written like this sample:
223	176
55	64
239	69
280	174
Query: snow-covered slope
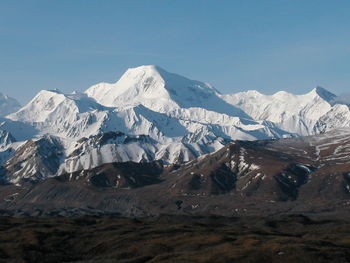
160	91
111	147
298	114
19	130
8	105
64	115
187	106
337	116
146	100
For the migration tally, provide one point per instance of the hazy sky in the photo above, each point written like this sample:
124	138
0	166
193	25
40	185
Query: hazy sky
234	45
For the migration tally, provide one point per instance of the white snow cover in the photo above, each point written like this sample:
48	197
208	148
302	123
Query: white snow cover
146	100
96	150
160	91
293	113
181	118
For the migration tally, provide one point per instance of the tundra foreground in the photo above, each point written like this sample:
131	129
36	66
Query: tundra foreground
292	238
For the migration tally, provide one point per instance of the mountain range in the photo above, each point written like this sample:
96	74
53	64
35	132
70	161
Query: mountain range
153	119
307	175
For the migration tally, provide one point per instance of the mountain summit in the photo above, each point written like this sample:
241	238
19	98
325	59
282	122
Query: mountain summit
161	91
324	94
151	83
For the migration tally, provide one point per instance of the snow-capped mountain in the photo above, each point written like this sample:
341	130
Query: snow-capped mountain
337	116
8	105
294	113
119	147
160	91
72	116
65	115
150	114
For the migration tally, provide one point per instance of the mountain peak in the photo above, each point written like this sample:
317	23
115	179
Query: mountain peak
150	82
149	71
161	91
146	68
323	93
283	94
53	105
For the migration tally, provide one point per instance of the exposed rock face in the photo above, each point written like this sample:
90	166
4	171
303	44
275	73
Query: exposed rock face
309	175
6	139
35	160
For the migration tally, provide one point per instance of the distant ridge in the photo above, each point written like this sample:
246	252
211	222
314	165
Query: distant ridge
8	105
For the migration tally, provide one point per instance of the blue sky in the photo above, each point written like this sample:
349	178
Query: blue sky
234	45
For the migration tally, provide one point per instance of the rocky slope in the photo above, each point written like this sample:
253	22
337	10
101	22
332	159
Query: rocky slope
307	175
